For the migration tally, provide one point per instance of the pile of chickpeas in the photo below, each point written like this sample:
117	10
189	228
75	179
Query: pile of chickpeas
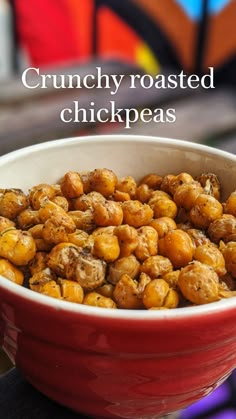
96	239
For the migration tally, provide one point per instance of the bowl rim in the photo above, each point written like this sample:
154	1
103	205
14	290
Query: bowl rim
123	138
119	314
181	313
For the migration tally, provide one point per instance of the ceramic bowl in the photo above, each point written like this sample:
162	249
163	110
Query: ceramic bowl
116	363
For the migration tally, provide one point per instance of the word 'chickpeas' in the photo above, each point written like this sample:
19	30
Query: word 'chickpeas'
96	239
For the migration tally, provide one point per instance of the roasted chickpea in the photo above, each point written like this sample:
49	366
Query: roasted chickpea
144	279
156	196
152	180
79	237
205	210
103	181
128	185
71	185
9	271
108	214
41	277
85	177
87	202
64	221
106	290
178	247
126	265
5	223
84	220
230	204
172	278
53	232
165	208
128	239
199	283
186	194
166	181
45	283
71	291
56	229
229	253
158	294
37	233
17	246
62	259
162	225
136	214
143	193
179	180
49	209
172	299
62	202
104	230
126	293
171	182
210	183
27	218
12	202
51	289
119	196
41	193
156	266
89	271
70	262
147	243
155	293
223	228
212	256
38	263
106	247
97	300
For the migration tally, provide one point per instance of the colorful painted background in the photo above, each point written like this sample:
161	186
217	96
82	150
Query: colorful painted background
184	34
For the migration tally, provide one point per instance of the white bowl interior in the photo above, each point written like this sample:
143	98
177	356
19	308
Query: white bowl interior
136	155
126	155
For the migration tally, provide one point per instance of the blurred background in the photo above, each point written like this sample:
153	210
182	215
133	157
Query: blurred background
131	36
123	37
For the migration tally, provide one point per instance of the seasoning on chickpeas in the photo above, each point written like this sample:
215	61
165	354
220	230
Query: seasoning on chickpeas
128	239
136	214
126	293
223	228
94	238
205	210
199	283
162	225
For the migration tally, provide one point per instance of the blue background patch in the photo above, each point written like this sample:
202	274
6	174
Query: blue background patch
194	7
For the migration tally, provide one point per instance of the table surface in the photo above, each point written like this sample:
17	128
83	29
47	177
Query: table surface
19	400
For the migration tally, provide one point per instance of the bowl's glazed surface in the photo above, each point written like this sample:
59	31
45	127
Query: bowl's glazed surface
116	363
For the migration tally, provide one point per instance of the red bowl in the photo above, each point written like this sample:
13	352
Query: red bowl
116	363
